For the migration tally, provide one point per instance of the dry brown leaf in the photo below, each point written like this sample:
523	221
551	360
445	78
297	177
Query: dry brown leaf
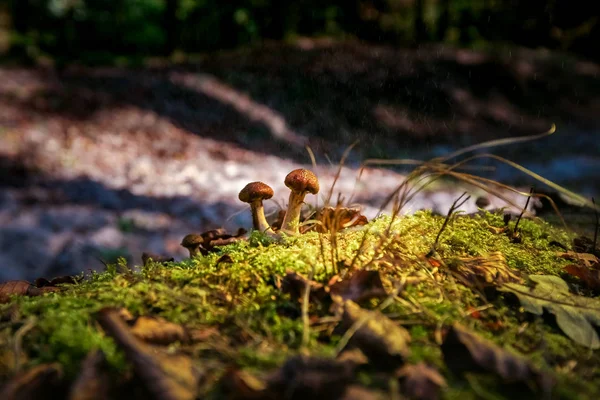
484	270
585	259
295	284
240	385
93	382
356	392
157	330
310	378
589	275
465	351
384	342
333	219
361	285
59	280
421	381
35	383
166	376
22	288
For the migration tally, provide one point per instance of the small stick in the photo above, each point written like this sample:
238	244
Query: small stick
524	208
456	205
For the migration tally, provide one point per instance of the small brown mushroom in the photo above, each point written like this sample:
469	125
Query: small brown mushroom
254	193
192	242
300	182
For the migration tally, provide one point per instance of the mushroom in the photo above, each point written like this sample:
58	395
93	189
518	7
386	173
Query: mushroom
300	182
192	242
254	193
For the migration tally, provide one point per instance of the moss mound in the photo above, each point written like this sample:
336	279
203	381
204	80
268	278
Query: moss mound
239	313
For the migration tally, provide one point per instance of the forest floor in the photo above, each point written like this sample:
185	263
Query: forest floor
97	163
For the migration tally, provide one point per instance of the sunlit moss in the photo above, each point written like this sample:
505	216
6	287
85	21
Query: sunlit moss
261	326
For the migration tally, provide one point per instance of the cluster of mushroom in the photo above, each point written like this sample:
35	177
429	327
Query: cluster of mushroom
299	181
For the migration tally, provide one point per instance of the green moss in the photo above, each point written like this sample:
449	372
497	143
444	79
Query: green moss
260	326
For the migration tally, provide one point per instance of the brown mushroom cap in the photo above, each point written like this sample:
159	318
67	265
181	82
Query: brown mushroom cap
255	191
192	240
302	180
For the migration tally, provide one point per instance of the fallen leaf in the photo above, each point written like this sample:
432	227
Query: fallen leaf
22	288
333	219
484	270
464	351
241	385
295	284
166	376
157	258
420	381
93	382
356	392
220	237
574	314
310	378
157	330
584	244
60	280
589	275
10	288
35	383
585	259
361	285
384	342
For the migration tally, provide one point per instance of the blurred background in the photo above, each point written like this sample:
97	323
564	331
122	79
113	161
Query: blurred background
126	124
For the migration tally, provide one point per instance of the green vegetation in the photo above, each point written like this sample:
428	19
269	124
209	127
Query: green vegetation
125	31
260	325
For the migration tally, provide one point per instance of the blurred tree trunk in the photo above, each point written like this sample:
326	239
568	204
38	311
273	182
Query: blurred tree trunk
444	21
170	26
420	28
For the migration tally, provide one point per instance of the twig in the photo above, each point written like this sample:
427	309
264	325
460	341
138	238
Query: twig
523	211
456	205
18	343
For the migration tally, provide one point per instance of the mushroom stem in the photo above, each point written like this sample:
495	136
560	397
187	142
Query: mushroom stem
259	222
291	221
194	251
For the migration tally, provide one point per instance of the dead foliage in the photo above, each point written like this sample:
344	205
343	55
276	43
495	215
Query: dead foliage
490	269
42	381
93	382
420	381
385	343
295	284
311	377
465	351
166	376
334	219
359	286
586	268
156	330
22	288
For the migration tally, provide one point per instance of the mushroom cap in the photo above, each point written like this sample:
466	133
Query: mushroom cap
192	240
255	191
302	180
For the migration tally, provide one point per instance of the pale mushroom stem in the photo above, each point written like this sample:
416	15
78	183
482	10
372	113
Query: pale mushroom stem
291	221
258	217
194	251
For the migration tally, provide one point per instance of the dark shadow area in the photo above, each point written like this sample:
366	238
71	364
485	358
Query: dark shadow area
388	99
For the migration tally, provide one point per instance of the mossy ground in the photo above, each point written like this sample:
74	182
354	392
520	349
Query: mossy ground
259	326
